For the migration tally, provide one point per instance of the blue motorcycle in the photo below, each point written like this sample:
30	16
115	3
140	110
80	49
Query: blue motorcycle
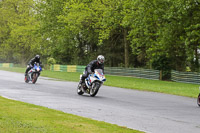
33	74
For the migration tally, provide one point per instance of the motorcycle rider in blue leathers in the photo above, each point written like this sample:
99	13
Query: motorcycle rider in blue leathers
95	64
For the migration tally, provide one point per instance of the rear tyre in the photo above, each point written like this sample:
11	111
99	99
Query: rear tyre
79	90
94	89
34	79
26	79
198	100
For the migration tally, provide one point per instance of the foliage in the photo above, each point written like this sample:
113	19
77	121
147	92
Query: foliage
162	63
18	31
51	61
128	33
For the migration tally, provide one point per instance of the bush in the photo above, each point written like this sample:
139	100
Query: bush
51	61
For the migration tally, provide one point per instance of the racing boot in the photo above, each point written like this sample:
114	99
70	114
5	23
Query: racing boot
25	74
81	81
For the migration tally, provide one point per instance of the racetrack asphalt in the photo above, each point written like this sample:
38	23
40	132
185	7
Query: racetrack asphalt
145	111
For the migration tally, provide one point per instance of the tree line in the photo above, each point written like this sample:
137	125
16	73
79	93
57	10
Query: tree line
157	34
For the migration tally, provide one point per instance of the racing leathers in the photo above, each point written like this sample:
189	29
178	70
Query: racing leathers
31	64
89	69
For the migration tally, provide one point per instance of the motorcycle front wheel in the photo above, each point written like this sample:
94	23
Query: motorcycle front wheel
34	79
94	89
79	90
198	99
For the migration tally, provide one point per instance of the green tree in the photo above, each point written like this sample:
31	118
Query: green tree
18	27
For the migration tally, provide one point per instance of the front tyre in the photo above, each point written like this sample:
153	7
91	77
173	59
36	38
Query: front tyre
198	99
94	89
34	79
79	90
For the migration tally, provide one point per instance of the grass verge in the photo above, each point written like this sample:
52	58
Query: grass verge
175	88
21	117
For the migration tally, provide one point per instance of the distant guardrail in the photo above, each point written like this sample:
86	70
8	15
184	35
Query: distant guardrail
6	64
186	77
67	68
177	76
133	72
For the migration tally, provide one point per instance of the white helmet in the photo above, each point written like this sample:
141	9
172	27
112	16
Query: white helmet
100	59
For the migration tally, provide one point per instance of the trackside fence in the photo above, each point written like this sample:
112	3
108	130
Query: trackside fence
67	68
177	76
186	77
133	72
6	64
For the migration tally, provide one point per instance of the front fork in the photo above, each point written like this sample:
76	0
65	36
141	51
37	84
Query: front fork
29	77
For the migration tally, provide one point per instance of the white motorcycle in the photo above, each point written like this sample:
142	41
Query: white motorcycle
92	83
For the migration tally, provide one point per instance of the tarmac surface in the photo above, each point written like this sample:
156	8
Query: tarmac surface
145	111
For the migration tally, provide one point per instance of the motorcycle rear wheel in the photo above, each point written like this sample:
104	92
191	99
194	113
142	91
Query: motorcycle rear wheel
95	88
79	90
198	100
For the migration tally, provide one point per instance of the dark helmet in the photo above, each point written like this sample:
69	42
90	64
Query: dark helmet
37	57
100	59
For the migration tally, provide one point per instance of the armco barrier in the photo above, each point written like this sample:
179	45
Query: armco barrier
6	64
63	68
186	77
133	72
67	68
80	68
56	67
71	68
